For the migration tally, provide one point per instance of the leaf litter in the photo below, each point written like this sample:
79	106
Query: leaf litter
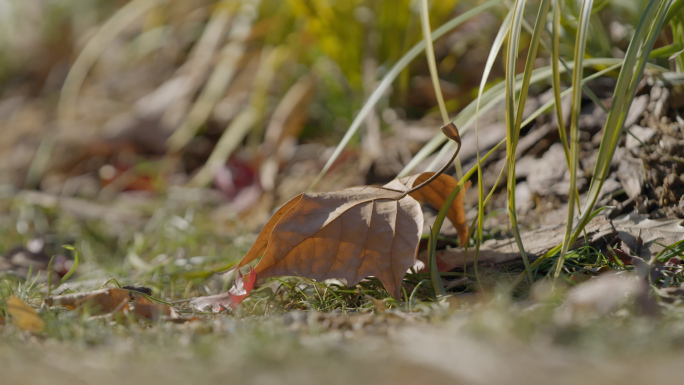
114	301
24	316
350	234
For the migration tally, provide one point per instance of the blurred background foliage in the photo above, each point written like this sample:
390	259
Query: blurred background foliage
83	81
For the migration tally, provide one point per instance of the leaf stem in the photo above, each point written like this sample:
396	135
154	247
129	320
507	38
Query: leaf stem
451	132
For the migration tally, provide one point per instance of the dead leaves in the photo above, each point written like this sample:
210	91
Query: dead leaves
97	304
349	234
434	194
114	301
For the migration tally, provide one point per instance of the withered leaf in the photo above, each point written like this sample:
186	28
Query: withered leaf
349	234
98	301
240	290
637	228
145	308
114	300
434	194
24	316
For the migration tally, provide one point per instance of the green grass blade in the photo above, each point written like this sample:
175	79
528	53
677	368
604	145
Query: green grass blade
634	63
575	107
548	254
49	275
435	278
546	107
441	215
391	75
437	285
73	267
674	10
493	54
556	85
432	64
489	100
515	106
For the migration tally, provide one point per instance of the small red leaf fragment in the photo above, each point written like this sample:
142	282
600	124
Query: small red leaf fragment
242	286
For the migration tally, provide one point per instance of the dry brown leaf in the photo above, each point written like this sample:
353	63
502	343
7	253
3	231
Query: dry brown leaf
108	301
434	194
261	242
98	301
652	233
24	316
349	234
145	308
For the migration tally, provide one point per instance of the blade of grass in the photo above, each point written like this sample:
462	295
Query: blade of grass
73	267
441	215
635	61
674	10
543	109
437	285
391	75
489	100
674	250
435	278
49	275
432	65
556	85
515	108
575	107
548	254
493	53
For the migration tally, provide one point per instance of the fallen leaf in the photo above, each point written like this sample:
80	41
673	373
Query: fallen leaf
240	290
145	308
349	234
652	233
98	301
108	301
434	194
24	316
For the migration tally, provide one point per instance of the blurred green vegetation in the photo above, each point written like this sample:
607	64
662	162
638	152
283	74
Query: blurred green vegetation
345	45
